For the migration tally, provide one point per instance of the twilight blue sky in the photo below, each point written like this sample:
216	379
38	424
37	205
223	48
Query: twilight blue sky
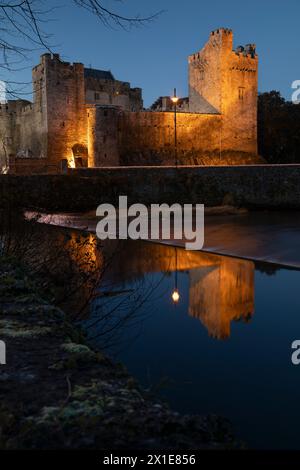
154	57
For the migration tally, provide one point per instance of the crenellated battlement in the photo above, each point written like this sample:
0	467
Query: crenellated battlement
53	63
219	39
246	51
221	31
54	59
7	108
15	107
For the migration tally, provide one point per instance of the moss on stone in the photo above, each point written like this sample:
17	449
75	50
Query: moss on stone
94	405
70	414
21	330
82	351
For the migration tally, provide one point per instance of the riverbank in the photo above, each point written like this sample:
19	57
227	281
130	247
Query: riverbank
57	392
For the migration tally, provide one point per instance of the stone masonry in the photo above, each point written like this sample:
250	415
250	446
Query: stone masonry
84	117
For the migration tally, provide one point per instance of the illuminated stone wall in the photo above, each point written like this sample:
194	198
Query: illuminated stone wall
221	125
59	89
148	137
103	148
23	135
39	135
219	129
227	79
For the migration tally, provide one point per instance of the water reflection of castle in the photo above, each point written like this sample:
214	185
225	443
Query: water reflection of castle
221	289
221	293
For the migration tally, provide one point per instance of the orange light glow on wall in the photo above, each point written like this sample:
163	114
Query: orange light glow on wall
71	162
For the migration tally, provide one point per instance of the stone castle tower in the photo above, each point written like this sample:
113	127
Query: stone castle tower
59	97
227	80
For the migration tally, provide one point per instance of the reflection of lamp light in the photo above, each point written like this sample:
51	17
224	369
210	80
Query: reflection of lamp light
175	293
175	296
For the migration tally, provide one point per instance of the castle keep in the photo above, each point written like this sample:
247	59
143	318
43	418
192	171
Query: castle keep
84	117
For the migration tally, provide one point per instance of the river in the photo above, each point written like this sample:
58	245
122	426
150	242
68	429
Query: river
225	347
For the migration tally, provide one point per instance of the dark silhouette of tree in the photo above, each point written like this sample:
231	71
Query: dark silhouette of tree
278	128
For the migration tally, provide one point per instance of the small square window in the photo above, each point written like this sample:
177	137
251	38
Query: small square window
97	96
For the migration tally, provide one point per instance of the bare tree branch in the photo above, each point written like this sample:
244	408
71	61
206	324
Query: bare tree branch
108	16
21	26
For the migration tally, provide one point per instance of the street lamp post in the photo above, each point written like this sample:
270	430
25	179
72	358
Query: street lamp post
174	98
175	101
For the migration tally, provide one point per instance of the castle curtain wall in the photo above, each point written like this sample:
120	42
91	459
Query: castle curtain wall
22	138
148	138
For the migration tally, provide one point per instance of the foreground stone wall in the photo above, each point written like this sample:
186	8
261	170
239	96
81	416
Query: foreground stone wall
261	186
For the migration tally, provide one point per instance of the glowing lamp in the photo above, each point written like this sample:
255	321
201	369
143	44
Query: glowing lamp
175	296
174	99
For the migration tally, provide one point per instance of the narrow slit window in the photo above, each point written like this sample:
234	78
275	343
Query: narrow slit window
241	93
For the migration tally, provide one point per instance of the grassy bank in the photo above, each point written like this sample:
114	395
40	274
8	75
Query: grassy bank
56	392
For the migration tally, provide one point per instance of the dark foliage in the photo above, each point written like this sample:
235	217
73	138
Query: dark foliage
278	129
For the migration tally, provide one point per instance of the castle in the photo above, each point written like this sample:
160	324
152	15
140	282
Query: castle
81	117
